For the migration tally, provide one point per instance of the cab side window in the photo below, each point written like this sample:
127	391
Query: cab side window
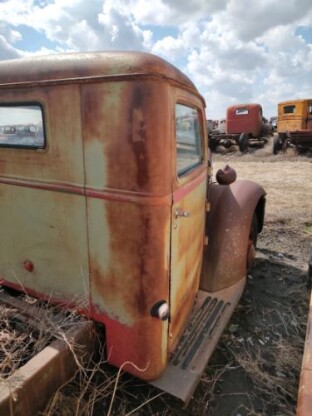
188	138
21	126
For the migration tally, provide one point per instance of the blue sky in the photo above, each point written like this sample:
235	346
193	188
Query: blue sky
234	51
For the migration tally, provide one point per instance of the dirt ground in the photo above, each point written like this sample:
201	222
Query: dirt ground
255	369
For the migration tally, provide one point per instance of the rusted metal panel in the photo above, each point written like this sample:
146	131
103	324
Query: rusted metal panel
94	66
228	228
42	213
60	163
127	164
305	387
126	129
187	233
244	118
129	273
294	115
98	199
294	125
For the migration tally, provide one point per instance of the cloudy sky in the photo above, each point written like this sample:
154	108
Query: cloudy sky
235	51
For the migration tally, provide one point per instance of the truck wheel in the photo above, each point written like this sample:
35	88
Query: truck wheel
252	242
277	144
243	142
212	144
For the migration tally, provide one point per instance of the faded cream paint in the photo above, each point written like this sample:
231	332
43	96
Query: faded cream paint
105	212
186	256
39	225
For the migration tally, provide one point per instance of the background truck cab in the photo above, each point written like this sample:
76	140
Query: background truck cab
109	206
294	125
244	123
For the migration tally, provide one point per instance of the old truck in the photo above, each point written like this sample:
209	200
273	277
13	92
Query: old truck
294	126
110	207
245	125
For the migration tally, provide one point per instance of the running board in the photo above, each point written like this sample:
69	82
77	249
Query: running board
211	314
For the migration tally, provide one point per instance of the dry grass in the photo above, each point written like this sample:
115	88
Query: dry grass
23	337
287	183
285	177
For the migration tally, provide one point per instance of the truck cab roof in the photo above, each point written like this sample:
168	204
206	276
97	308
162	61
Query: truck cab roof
82	67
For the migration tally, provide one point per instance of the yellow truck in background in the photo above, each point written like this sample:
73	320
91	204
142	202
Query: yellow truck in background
294	126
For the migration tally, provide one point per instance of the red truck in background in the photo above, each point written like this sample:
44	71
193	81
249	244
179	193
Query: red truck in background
245	125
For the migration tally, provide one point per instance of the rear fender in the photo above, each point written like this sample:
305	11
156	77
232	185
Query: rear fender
228	227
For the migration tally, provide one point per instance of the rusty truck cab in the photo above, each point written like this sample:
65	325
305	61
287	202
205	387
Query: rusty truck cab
244	118
294	125
104	206
245	125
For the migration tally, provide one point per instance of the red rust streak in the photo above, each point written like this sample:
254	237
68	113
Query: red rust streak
107	194
186	189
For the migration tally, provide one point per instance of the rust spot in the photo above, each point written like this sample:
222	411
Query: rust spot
137	135
29	265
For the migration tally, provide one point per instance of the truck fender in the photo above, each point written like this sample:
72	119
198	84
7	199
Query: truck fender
228	227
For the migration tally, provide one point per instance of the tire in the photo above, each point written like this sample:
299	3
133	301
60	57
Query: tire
243	142
212	144
277	144
252	242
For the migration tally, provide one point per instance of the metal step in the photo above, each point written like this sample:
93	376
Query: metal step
189	360
199	329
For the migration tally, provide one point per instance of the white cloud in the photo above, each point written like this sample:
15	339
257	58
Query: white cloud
172	12
233	51
250	20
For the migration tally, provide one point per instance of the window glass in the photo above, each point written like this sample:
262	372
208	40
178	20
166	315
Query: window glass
188	136
21	126
241	111
310	109
289	109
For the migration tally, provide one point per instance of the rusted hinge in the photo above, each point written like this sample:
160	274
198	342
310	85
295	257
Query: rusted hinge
206	238
207	206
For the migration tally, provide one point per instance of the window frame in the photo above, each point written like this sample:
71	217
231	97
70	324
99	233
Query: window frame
242	111
291	106
200	143
26	104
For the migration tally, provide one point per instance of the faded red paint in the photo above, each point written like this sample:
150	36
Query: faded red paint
250	123
181	192
29	265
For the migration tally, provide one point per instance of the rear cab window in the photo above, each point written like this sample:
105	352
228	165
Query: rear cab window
22	126
289	109
189	144
241	111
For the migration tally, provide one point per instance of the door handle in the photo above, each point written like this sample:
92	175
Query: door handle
180	213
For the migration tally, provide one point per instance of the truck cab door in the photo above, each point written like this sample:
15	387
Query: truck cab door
188	216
